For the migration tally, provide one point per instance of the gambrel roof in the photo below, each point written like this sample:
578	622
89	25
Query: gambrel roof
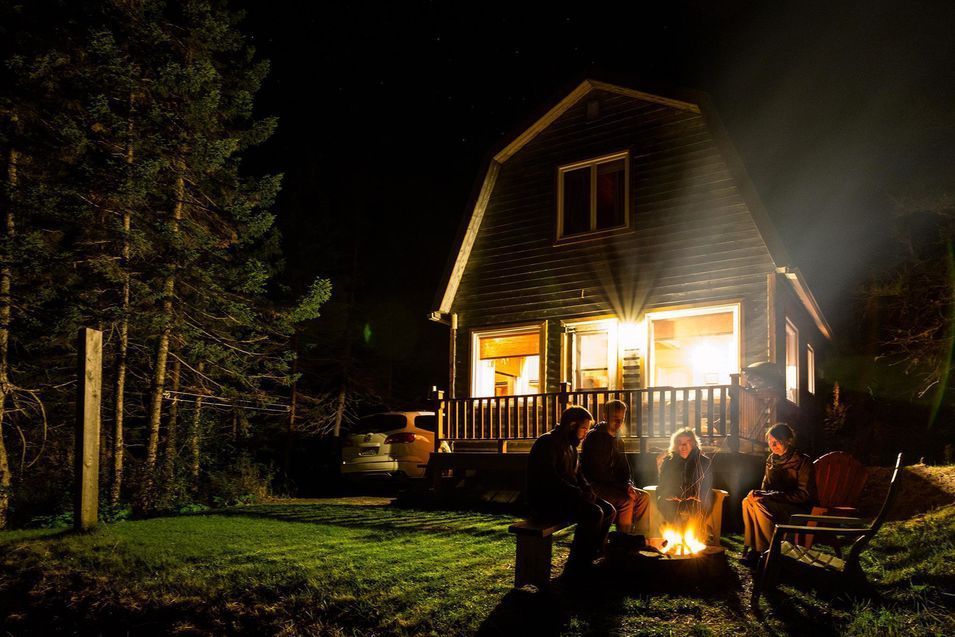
694	102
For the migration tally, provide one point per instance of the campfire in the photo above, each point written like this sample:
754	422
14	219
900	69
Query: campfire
681	543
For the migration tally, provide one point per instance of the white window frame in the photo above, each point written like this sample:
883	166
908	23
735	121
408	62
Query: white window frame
735	308
593	163
810	369
583	326
477	334
795	333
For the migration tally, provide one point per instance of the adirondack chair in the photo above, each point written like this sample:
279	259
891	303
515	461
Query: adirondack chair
855	532
839	482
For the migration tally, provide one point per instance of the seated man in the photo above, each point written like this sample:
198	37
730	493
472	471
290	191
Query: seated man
557	490
604	464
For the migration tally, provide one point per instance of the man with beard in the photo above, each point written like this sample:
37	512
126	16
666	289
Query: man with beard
557	490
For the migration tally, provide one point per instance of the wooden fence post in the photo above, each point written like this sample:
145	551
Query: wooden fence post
732	440
89	393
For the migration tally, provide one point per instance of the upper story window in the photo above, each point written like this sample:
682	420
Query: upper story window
593	195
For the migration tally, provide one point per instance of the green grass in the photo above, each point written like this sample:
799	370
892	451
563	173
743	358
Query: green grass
335	569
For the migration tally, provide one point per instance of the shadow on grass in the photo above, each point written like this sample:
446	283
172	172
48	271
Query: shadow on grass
259	610
388	519
613	597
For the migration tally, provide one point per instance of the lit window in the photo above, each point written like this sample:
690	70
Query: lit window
693	347
592	196
593	354
792	363
507	363
810	369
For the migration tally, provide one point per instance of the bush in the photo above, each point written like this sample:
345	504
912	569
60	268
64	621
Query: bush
239	482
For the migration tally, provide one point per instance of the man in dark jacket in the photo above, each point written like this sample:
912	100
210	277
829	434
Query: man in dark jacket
603	462
557	490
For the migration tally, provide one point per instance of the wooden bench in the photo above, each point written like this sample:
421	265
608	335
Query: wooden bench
535	547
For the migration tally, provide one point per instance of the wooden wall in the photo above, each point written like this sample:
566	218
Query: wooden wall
811	407
692	240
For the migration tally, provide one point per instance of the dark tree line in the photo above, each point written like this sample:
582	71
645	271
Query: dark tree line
126	207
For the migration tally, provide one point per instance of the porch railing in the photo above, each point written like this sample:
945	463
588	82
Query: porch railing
713	411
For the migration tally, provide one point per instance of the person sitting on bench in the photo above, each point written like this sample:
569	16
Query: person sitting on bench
604	464
556	490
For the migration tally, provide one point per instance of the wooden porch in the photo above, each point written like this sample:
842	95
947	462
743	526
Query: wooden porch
727	417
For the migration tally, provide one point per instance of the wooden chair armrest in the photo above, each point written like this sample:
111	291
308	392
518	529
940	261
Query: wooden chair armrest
821	530
829	520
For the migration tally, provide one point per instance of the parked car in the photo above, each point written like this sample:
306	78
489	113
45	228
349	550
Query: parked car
389	445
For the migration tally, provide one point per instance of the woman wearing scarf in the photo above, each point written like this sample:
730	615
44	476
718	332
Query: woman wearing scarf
685	488
789	486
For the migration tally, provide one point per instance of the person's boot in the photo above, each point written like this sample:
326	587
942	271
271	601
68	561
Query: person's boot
749	557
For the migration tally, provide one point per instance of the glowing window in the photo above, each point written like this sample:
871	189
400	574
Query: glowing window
506	363
593	354
792	363
810	369
694	347
592	196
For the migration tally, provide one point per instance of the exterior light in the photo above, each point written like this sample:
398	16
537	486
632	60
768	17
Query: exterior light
631	335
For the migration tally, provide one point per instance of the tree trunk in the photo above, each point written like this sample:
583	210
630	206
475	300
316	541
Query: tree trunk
162	353
195	439
293	399
122	346
6	280
340	411
172	430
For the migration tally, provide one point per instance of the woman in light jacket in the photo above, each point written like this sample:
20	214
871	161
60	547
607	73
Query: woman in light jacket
684	492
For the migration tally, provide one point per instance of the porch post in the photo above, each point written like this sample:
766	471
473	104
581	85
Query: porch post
437	397
732	440
563	398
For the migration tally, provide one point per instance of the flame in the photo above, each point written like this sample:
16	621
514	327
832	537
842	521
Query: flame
678	543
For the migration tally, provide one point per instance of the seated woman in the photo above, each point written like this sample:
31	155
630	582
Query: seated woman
685	493
789	486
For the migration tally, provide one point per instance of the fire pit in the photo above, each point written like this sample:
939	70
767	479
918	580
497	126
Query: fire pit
676	560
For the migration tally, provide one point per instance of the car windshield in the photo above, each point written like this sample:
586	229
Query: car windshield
378	423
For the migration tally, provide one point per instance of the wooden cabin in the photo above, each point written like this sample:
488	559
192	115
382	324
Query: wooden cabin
616	249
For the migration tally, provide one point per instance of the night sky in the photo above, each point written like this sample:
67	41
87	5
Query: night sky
388	114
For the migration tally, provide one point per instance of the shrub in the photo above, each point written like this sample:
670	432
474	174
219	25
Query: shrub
239	482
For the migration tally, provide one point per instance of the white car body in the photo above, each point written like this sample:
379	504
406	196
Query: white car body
389	445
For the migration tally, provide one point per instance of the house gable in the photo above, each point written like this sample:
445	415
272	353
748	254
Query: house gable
697	237
654	128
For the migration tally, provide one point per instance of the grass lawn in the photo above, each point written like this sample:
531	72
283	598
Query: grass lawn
357	568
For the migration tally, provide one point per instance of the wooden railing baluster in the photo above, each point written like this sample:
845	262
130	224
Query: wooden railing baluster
652	413
709	412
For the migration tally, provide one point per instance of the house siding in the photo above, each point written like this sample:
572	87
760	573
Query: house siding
693	240
811	407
